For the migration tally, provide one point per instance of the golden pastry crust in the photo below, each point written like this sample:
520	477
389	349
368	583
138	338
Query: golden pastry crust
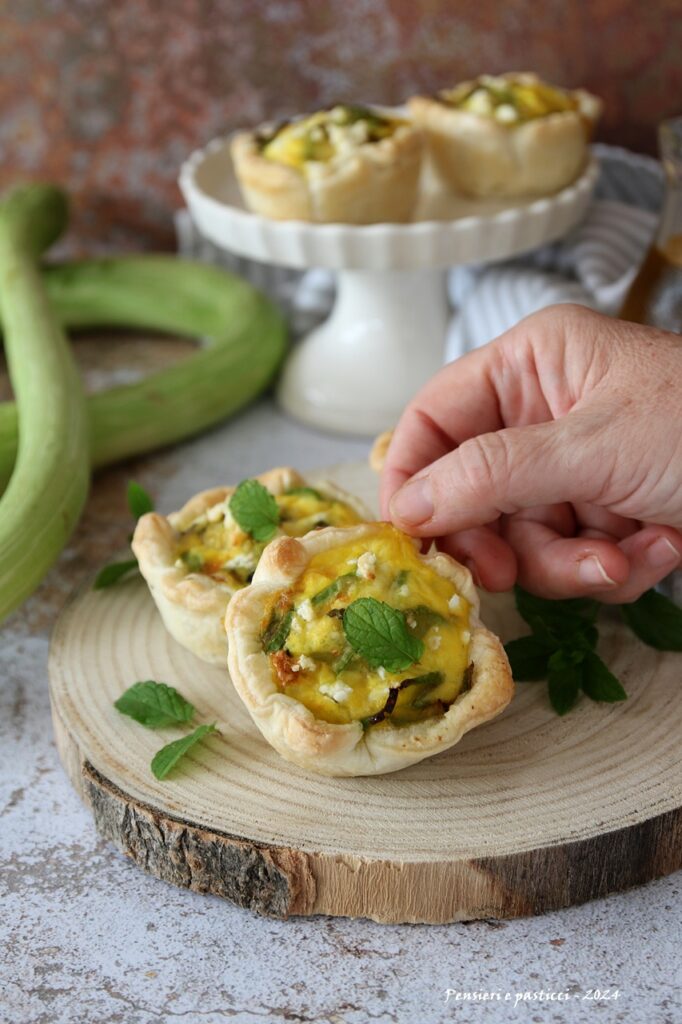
480	157
375	182
347	749
193	604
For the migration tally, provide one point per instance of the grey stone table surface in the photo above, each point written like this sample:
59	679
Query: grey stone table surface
87	938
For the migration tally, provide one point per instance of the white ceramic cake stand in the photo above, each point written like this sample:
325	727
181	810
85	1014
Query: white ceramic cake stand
385	335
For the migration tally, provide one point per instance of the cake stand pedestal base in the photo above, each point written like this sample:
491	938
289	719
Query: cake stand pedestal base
383	340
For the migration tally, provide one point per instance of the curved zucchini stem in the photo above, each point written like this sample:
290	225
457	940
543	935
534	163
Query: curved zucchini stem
49	482
243	343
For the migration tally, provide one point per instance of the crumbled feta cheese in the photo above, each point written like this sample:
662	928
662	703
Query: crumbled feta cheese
455	603
480	102
337	690
466	636
216	512
434	641
244	560
306	664
381	672
404	591
366	565
352	561
305	610
411	621
506	113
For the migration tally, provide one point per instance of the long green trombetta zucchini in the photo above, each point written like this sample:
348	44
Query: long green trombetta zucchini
242	341
49	481
52	435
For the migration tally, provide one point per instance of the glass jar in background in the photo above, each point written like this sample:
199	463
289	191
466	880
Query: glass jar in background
655	295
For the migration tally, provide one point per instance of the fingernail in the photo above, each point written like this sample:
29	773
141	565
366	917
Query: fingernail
413	503
593	574
661	553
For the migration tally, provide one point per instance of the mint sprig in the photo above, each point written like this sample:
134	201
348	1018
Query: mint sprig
255	510
564	636
167	758
656	620
139	503
154	705
379	633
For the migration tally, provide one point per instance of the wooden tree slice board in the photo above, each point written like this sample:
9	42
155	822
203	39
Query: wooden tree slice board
528	813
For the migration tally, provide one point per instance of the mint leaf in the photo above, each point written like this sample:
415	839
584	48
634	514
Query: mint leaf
563	678
154	704
334	588
277	631
255	510
380	635
167	758
309	492
656	620
528	658
139	501
598	682
111	574
558	621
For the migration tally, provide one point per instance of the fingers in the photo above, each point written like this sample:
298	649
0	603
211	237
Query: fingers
653	552
456	404
613	571
559	566
501	473
521	378
488	557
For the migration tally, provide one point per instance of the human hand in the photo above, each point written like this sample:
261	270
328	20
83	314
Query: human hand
551	457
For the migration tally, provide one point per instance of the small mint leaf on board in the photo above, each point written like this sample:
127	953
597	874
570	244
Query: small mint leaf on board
379	633
166	759
255	510
111	574
656	620
598	682
563	679
528	658
154	704
139	501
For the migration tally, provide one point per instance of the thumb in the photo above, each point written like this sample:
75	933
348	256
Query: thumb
500	473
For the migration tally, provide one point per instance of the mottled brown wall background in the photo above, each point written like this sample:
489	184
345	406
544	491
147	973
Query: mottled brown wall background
108	96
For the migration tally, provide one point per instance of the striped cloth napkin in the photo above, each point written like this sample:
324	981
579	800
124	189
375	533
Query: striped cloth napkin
593	265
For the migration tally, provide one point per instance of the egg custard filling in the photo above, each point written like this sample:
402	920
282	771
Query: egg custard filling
226	545
509	99
371	633
327	134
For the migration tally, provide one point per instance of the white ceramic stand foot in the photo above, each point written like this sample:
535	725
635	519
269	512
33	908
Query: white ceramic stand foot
384	338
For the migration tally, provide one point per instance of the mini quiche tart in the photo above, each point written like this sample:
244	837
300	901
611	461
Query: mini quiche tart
348	165
507	135
196	559
357	655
